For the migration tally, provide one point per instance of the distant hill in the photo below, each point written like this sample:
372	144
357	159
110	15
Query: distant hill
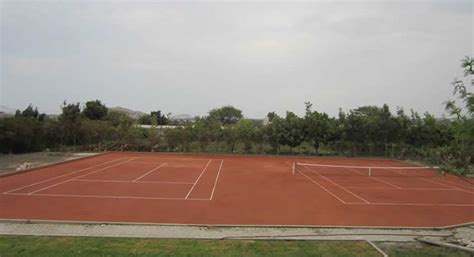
182	117
7	110
131	113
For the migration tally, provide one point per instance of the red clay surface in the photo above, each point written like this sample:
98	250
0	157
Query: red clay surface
236	190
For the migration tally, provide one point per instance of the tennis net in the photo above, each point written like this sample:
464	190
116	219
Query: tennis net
346	170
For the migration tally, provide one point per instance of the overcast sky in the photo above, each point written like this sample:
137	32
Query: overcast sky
259	57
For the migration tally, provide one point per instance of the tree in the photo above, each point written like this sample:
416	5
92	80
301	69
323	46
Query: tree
23	132
355	130
399	144
189	137
245	130
201	133
293	133
52	131
95	110
29	112
113	117
374	129
161	119
271	116
174	137
461	92
96	132
318	127
259	138
230	137
273	133
124	129
226	115
145	119
19	135
157	116
461	152
70	119
153	135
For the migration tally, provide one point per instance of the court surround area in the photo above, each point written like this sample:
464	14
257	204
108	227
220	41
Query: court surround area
238	190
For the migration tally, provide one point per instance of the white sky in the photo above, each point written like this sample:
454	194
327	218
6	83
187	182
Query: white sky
260	57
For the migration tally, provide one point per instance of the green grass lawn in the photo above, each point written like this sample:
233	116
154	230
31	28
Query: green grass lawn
25	246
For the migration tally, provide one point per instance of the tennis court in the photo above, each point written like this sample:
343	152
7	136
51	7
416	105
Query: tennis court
238	190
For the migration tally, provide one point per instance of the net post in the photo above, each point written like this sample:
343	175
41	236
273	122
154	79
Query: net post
294	168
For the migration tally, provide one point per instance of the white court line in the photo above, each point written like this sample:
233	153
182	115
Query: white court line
350	192
215	182
387	183
201	199
195	183
110	196
414	188
437	182
323	188
381	252
419	204
456	184
70	173
379	180
137	182
173	158
367	167
156	168
389	204
174	162
381	188
401	173
71	179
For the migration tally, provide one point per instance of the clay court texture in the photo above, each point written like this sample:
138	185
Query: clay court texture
238	190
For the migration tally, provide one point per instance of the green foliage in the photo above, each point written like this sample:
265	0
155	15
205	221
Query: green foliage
18	135
70	120
230	136
29	112
201	133
271	116
27	246
274	132
245	134
225	115
153	136
23	132
125	130
95	110
293	130
145	119
95	132
154	117
41	246
161	119
319	128
175	138
458	155
113	117
364	131
462	93
367	130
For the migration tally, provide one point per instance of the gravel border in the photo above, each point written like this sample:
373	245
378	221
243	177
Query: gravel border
65	159
219	233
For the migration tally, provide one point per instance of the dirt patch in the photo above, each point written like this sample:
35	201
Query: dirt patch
10	162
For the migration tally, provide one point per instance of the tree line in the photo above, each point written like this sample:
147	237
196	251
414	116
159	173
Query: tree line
364	131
